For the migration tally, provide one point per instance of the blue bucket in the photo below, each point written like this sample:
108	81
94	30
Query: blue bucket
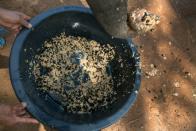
75	21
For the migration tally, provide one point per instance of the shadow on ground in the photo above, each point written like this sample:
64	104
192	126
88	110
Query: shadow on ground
166	100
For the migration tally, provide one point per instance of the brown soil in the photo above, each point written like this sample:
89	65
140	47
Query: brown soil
167	99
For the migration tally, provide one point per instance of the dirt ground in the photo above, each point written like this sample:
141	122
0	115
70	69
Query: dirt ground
167	98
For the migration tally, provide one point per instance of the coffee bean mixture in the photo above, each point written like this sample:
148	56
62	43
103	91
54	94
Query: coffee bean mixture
76	70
